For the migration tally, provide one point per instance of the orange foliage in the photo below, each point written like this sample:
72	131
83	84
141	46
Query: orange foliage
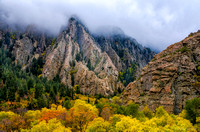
106	112
52	114
55	112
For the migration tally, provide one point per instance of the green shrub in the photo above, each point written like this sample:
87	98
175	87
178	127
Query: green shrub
192	109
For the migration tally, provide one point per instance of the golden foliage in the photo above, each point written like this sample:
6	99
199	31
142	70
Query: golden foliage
84	117
52	125
98	125
80	115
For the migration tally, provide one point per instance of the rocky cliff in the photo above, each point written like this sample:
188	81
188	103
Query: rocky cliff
92	61
24	45
77	57
78	60
171	78
124	51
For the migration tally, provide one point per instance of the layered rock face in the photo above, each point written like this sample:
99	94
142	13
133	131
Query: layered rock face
171	78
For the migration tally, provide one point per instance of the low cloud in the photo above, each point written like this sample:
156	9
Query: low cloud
155	23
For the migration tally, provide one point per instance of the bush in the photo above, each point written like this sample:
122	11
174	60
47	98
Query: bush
132	110
192	109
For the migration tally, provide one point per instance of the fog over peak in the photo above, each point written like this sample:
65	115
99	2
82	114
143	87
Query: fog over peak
155	23
109	30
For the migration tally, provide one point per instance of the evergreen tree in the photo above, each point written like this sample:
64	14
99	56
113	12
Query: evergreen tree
89	65
30	83
68	92
38	90
11	87
119	90
42	101
52	96
62	90
88	100
96	101
72	79
78	57
77	89
67	104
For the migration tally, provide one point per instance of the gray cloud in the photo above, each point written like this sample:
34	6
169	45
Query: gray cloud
155	23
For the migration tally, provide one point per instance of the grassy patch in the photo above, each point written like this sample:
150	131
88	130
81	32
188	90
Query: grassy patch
183	49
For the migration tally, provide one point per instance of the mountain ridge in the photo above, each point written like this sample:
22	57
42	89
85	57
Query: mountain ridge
170	79
78	57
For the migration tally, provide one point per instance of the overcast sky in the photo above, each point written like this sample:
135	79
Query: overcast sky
153	23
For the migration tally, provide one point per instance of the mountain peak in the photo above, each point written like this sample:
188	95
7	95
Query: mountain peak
77	22
74	18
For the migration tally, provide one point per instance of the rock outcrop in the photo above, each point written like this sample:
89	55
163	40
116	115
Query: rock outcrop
171	78
24	45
